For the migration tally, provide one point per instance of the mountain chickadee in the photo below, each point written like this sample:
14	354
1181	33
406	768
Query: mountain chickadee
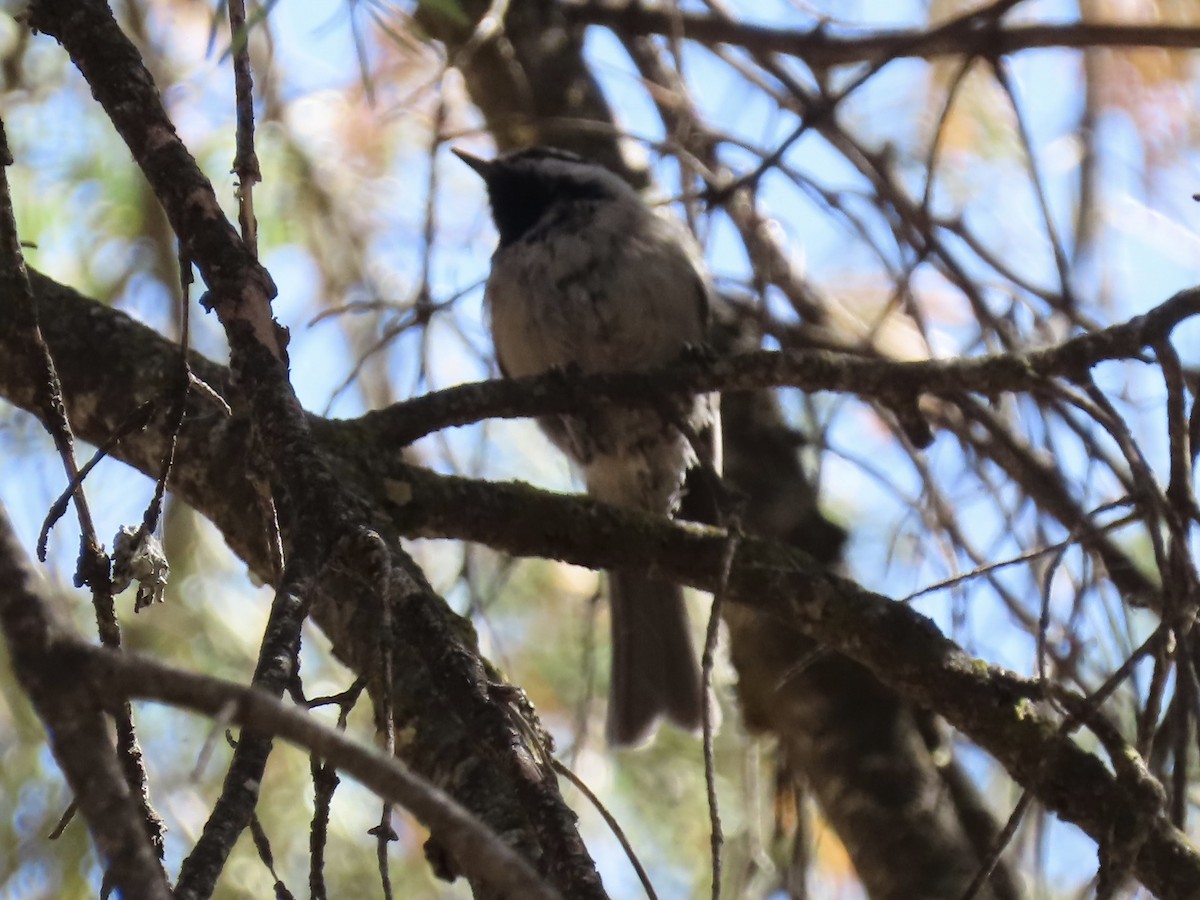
587	276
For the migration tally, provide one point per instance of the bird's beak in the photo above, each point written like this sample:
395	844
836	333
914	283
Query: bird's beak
482	166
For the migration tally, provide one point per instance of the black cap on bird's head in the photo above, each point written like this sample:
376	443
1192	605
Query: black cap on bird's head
523	185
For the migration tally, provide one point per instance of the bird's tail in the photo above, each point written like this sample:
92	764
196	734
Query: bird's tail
654	669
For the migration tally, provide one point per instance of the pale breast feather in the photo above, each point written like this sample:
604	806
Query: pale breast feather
618	293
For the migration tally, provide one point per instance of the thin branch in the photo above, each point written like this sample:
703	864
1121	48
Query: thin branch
77	729
1002	841
613	825
135	421
245	162
325	782
378	568
240	290
717	837
888	381
94	566
234	809
817	47
1001	70
479	850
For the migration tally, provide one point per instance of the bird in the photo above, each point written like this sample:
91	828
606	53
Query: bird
586	276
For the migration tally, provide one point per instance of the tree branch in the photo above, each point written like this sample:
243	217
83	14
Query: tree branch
70	681
820	49
891	382
485	858
480	753
78	732
315	501
992	707
240	290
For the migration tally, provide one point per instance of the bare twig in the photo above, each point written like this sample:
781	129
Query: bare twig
94	566
818	47
480	851
613	825
245	162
